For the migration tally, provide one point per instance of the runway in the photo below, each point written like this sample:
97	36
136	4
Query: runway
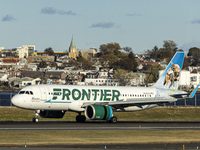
102	125
122	125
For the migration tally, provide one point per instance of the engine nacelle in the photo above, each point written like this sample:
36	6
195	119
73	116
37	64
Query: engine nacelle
51	114
98	112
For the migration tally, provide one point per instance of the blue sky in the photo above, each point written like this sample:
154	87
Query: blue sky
139	24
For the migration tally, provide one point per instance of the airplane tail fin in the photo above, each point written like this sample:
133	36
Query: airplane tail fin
169	79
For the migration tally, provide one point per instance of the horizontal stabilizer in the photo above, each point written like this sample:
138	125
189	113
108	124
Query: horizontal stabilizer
194	92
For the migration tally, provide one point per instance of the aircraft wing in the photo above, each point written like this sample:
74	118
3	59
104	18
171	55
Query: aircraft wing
139	102
133	102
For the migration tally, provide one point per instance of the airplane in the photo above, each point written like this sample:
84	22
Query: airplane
100	102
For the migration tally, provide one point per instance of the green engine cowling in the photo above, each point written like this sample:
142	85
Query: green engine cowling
98	112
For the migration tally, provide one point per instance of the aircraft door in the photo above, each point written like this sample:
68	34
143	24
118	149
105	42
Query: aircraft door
43	93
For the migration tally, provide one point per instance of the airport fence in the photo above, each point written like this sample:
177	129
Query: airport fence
5	99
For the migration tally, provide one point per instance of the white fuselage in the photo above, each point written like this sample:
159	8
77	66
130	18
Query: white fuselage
72	97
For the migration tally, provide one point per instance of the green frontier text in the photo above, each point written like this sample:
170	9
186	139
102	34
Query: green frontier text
86	94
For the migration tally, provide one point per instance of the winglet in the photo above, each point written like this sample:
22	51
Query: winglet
194	92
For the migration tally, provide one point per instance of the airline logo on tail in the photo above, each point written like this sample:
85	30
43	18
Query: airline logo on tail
171	75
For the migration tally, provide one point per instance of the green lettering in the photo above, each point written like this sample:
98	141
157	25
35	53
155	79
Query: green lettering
66	93
115	94
101	96
74	92
107	93
56	92
87	94
95	94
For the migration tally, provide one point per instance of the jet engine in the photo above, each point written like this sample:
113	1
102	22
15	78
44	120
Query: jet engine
51	114
98	112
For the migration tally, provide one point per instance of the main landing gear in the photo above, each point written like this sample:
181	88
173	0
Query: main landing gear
113	119
80	118
36	116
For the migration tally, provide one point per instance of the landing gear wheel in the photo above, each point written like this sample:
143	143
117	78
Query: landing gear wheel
80	118
36	120
113	119
36	116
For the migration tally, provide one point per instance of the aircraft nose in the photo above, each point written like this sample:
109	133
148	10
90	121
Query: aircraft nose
14	100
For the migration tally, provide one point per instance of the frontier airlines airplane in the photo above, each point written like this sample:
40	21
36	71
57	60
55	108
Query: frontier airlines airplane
99	102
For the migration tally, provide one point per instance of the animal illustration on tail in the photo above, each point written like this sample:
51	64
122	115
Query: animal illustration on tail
172	75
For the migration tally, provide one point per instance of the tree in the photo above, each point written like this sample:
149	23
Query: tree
53	64
42	64
185	63
167	52
110	47
122	77
135	64
49	51
194	53
108	60
153	72
153	53
170	46
82	62
126	64
127	49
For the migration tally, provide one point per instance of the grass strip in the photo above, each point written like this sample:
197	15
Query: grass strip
18	138
155	114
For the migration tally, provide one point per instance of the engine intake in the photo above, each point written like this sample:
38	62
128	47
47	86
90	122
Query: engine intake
98	112
51	114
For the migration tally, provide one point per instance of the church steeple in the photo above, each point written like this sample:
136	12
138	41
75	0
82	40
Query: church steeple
72	48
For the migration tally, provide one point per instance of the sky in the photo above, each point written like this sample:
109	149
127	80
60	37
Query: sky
139	24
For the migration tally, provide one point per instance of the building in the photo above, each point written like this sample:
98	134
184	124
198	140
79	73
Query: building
21	52
25	51
56	54
55	76
22	82
86	53
101	77
14	73
1	48
10	60
72	50
47	58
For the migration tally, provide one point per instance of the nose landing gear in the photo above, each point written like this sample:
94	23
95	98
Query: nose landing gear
36	116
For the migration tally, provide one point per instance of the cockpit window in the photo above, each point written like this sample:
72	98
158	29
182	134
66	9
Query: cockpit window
26	92
21	92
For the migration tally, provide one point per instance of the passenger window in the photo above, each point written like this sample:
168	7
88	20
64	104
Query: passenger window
27	92
21	92
31	92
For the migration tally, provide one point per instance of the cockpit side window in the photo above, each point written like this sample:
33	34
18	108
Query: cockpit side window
26	92
21	92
